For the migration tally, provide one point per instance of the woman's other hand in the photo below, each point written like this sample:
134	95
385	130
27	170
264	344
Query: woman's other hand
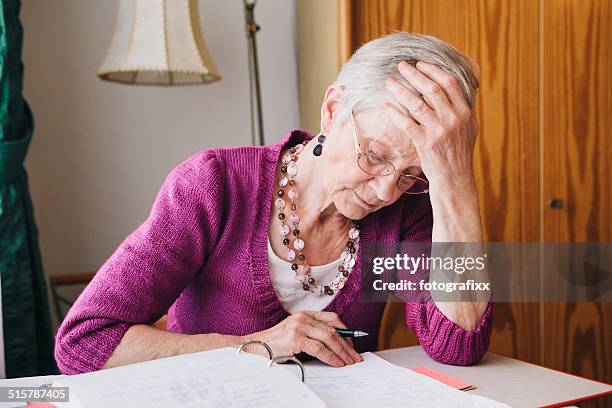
312	333
441	125
437	118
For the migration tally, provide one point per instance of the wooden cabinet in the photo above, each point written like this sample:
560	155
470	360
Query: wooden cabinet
544	109
576	168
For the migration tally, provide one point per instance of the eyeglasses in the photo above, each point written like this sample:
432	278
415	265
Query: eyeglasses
409	181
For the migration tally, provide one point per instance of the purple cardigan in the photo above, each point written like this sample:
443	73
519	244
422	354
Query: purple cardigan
201	256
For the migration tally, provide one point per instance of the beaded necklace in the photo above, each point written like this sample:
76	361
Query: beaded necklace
294	251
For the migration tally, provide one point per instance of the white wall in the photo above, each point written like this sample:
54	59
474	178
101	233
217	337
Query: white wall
318	28
101	150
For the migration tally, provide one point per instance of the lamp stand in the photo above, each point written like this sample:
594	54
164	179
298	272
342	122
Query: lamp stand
254	86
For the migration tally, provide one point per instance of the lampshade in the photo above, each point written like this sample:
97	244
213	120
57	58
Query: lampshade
158	42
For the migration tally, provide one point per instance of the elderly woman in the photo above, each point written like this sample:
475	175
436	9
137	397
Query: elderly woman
262	243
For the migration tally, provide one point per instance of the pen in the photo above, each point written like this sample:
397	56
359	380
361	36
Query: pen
351	333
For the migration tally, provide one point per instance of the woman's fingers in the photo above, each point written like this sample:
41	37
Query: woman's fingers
319	350
412	102
446	81
474	128
432	91
351	345
327	335
405	124
332	319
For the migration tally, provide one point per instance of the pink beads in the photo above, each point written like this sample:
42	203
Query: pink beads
284	230
292	169
288	194
290	254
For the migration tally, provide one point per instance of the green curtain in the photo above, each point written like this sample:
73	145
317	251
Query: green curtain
28	338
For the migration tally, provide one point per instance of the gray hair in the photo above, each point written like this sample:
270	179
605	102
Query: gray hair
363	76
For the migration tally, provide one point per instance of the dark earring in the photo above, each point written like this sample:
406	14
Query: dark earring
318	149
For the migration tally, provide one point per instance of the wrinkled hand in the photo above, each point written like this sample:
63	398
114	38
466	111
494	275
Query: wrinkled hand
443	127
312	333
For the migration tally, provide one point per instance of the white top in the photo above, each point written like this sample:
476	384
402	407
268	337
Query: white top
290	293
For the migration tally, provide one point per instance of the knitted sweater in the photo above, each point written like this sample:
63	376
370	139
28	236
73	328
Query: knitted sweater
200	256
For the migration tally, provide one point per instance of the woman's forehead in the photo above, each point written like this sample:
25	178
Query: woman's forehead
377	128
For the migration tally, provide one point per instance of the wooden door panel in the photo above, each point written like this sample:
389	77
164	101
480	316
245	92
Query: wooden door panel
578	120
577	153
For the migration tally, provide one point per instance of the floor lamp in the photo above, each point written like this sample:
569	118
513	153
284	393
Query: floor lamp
161	43
254	84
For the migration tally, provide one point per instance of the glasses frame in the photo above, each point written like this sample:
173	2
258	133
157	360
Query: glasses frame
390	165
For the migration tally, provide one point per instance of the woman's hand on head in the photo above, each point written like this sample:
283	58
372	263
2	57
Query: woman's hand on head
312	333
440	123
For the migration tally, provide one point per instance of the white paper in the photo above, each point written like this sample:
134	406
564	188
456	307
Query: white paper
222	378
375	382
217	378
